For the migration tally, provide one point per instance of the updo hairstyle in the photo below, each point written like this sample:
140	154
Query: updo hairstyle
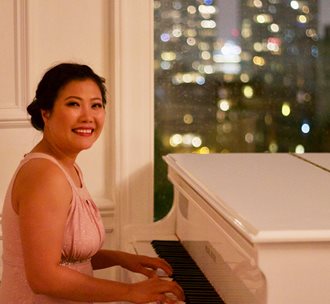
53	81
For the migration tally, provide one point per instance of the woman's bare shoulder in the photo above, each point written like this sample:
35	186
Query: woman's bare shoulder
40	178
40	170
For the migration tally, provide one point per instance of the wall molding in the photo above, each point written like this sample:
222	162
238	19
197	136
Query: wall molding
14	98
131	79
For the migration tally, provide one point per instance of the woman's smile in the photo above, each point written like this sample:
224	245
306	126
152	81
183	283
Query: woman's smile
83	131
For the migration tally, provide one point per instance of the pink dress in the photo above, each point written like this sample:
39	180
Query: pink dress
84	236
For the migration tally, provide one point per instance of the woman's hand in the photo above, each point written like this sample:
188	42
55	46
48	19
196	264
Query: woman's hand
156	290
144	264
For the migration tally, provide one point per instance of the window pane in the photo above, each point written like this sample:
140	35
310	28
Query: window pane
239	76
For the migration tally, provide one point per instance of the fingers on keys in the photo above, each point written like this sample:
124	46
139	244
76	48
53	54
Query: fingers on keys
169	298
176	295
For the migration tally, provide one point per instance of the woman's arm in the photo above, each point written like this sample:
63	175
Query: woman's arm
42	196
136	263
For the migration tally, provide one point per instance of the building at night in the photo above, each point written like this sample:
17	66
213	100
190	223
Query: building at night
254	89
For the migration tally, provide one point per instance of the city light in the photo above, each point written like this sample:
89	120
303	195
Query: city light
232	58
273	44
175	140
200	80
208	2
206	55
228	58
246	30
305	9
263	18
190	33
305	128
165	37
204	46
248	91
180	78
258	60
294	4
311	33
302	19
273	147
191	9
191	140
188	140
188	119
165	65
191	41
204	150
257	3
249	138
168	56
208	69
244	77
314	51
208	24
196	142
177	33
258	47
224	105
157	4
274	28
286	109
231	48
206	9
299	149
187	78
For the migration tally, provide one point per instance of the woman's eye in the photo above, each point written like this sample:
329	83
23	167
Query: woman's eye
97	105
72	103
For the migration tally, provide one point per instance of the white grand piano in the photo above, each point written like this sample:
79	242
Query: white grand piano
257	225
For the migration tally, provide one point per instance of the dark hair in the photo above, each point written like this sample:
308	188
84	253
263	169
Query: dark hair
53	81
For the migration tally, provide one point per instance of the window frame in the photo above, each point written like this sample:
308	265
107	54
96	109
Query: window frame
131	111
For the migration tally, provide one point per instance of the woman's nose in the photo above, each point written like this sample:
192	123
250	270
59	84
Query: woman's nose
86	113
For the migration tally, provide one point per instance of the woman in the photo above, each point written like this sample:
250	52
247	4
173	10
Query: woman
52	230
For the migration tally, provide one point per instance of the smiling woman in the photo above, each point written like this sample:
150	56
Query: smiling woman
51	84
52	230
77	118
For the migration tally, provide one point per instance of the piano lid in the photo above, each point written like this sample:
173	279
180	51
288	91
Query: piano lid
267	197
321	160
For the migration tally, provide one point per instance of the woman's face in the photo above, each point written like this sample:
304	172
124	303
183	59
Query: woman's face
77	118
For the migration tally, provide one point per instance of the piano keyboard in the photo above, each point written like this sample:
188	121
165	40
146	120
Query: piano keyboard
186	272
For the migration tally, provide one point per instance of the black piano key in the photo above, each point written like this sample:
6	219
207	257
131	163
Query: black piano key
187	273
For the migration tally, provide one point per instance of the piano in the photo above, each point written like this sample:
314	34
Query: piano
256	225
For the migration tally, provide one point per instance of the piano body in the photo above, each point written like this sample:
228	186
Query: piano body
257	225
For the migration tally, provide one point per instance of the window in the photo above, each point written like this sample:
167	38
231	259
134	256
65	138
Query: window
239	76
